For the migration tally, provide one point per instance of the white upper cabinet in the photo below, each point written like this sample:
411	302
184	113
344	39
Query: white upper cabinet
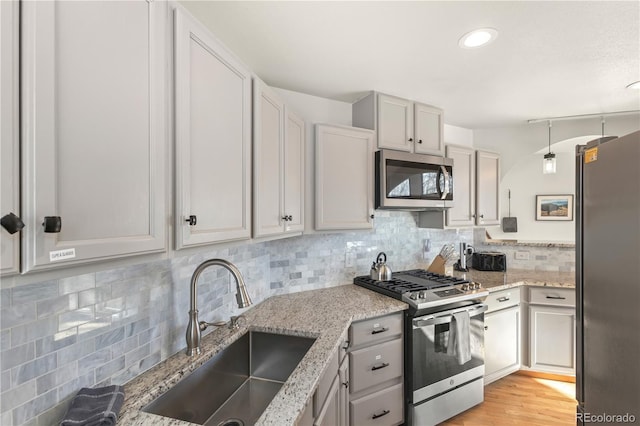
464	186
488	188
395	123
294	171
213	138
278	165
9	133
428	138
401	124
94	130
344	178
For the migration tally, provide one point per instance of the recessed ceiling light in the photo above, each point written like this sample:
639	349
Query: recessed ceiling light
477	38
634	85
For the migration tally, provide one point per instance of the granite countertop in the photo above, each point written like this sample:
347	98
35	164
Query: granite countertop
496	281
324	314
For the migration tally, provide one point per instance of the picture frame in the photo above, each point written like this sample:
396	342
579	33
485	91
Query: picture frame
554	207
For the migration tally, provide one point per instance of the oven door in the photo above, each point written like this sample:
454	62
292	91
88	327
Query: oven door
405	180
434	371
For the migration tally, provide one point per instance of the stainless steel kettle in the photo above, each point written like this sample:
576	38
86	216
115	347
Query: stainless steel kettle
379	270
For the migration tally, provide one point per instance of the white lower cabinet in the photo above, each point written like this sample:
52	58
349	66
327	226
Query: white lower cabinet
329	405
502	336
552	327
376	393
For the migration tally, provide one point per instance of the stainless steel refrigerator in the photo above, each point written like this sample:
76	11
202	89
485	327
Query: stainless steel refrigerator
608	280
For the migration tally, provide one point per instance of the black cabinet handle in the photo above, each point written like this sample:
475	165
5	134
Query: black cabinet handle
377	416
372	216
419	140
379	330
346	384
52	224
191	220
379	367
556	297
289	218
486	327
410	139
503	299
11	223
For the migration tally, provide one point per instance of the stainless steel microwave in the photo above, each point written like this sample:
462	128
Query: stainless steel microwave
413	181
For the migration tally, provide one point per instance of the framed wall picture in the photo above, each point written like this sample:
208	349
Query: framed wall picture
554	207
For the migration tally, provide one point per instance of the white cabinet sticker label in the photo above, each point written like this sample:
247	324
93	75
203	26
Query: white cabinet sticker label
62	254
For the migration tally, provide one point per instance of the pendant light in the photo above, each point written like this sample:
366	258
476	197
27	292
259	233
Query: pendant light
549	162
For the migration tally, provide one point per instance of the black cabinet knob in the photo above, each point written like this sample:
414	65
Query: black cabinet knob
191	220
419	140
410	139
52	224
372	216
11	223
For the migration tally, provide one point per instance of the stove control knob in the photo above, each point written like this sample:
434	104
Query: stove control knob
478	285
413	295
465	287
423	294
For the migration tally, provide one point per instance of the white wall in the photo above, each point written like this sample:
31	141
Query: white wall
521	149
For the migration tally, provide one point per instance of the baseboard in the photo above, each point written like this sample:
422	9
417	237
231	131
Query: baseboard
549	376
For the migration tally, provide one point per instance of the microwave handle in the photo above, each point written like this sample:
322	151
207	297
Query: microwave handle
443	194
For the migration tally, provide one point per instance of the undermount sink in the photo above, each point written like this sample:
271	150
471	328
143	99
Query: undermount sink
235	386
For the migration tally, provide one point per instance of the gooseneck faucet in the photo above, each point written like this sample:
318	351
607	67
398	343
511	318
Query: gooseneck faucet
195	328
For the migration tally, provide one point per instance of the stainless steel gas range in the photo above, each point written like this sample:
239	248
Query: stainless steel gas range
443	311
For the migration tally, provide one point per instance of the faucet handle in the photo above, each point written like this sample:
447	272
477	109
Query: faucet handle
203	324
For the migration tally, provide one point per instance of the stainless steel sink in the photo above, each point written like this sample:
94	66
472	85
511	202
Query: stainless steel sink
234	387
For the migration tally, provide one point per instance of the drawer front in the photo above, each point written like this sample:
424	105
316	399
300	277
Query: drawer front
552	296
374	365
325	384
375	329
503	299
383	408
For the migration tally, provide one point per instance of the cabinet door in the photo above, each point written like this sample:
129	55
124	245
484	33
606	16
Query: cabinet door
93	130
329	413
552	339
429	125
501	343
268	161
213	137
488	188
464	186
344	176
9	154
294	159
395	123
343	398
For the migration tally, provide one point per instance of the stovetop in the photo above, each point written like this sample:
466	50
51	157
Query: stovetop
422	289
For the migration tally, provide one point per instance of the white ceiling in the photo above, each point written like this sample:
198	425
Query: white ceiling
550	59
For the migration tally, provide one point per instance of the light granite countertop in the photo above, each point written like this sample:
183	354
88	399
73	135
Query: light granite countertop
496	281
323	314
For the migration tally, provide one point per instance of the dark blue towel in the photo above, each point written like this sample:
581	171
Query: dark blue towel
95	407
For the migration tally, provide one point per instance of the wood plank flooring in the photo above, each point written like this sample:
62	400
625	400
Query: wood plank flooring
522	400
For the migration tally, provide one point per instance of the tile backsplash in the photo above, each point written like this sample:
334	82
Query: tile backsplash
109	326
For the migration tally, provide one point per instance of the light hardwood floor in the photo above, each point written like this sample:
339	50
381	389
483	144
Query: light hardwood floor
522	400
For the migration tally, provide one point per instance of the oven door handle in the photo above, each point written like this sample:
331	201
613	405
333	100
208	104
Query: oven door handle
443	319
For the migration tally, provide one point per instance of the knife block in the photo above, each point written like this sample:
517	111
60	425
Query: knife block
437	265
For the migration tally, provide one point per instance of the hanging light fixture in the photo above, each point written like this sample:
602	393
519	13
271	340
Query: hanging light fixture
549	162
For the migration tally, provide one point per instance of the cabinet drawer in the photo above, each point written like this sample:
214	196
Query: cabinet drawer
376	364
378	409
503	299
552	296
375	329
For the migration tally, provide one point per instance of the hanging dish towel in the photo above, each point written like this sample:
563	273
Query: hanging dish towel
95	407
459	340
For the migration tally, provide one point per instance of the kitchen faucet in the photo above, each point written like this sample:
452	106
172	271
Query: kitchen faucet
195	328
